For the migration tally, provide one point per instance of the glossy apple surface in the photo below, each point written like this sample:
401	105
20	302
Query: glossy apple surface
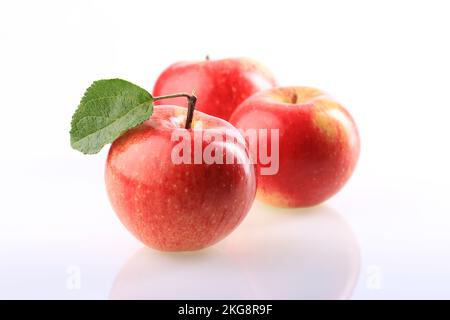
220	85
318	144
178	207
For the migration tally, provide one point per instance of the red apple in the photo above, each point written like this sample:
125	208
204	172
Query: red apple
175	206
318	144
220	85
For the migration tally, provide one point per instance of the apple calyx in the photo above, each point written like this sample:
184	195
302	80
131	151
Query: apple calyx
192	99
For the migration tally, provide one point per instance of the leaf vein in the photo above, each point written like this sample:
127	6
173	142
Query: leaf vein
110	123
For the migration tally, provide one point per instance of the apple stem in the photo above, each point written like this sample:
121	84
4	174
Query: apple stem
190	114
294	98
192	99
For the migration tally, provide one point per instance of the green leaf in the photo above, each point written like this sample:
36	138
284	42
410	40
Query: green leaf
108	109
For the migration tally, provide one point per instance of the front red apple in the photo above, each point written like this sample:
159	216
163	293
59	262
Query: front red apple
220	85
318	144
177	201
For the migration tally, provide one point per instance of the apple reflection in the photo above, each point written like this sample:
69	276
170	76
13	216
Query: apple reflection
275	254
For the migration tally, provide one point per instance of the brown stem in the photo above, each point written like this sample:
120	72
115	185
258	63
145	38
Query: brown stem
190	113
192	99
294	98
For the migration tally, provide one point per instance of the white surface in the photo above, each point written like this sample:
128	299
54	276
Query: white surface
385	235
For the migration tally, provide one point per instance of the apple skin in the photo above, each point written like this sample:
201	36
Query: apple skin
220	85
319	144
177	207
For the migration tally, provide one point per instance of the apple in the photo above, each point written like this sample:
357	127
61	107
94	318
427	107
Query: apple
220	85
173	206
318	144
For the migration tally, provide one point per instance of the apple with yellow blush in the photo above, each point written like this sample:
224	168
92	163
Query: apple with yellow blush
318	144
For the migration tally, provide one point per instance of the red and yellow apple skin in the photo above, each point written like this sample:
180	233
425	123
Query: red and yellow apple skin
220	85
318	144
177	207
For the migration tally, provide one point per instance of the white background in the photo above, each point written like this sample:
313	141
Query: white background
385	235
